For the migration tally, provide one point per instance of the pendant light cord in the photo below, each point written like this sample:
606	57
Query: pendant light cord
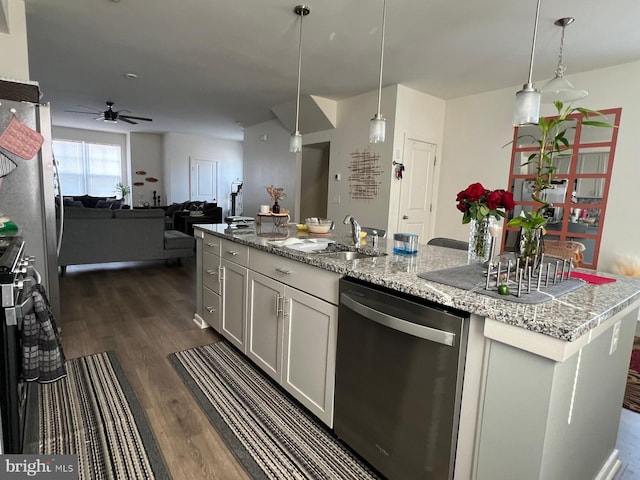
299	72
533	44
560	68
384	15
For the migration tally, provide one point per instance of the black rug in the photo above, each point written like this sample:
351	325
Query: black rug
270	435
95	414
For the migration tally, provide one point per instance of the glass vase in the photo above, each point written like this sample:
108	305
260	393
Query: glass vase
530	248
275	208
479	240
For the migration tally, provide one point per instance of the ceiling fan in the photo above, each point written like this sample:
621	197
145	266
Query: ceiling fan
110	115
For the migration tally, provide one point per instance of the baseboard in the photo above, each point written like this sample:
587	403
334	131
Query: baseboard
197	319
610	467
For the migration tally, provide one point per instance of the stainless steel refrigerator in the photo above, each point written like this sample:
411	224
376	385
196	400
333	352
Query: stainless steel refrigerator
27	194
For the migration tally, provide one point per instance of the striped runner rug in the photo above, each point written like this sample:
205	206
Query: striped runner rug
95	414
270	435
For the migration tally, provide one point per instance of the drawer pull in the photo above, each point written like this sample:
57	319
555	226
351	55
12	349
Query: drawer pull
212	272
283	270
210	309
232	253
209	244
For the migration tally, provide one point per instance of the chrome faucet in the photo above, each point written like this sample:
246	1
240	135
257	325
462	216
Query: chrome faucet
355	229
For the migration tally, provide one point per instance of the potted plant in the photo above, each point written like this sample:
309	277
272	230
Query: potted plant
123	189
276	194
552	143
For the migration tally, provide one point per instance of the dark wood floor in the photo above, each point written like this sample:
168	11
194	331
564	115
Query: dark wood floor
143	312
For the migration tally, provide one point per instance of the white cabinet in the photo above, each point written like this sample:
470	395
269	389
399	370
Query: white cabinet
281	313
309	352
233	298
292	333
266	299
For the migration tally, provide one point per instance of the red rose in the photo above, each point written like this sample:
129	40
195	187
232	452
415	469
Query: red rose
461	196
474	192
494	200
507	200
463	207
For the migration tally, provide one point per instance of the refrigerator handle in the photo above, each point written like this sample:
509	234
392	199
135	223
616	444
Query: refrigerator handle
56	176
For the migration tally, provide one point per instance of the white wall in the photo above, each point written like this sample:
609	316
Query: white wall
179	148
351	135
267	161
147	156
476	128
419	117
14	60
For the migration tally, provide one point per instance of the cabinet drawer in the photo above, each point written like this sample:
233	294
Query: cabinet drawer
211	243
316	281
211	308
234	252
211	271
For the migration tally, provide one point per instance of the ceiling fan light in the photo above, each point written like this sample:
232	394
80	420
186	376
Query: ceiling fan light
295	142
527	106
377	128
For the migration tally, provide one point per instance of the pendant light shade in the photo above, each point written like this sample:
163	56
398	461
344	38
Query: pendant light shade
527	107
378	125
559	88
295	142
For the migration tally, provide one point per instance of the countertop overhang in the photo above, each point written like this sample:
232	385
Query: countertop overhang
567	318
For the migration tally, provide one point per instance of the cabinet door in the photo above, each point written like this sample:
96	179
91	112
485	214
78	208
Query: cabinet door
234	295
310	327
211	308
265	301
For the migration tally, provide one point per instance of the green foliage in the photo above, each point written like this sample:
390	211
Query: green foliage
552	143
123	189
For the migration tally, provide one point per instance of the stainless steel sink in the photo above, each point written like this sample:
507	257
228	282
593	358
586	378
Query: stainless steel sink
350	255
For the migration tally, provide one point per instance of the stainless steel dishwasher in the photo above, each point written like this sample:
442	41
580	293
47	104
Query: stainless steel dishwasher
399	370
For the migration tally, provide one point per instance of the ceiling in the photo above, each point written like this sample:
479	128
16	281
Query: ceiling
209	67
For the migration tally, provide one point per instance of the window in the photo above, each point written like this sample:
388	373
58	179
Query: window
88	168
581	184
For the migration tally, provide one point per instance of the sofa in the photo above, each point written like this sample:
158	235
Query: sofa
90	201
182	216
100	235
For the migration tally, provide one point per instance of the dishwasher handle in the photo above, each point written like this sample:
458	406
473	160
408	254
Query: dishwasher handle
395	323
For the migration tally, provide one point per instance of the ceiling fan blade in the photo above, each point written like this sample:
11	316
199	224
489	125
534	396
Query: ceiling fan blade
78	111
127	120
136	118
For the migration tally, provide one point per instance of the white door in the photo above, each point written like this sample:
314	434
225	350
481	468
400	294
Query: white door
204	180
416	191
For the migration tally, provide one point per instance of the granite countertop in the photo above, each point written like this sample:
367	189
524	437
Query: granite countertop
566	318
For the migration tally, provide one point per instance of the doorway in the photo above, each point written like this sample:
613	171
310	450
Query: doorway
416	191
203	186
314	181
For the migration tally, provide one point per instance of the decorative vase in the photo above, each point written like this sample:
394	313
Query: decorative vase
479	240
530	247
275	208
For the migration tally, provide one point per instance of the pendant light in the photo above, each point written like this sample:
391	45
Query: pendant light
559	88
527	108
377	125
295	143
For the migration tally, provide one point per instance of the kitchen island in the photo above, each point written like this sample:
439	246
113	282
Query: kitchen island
543	384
